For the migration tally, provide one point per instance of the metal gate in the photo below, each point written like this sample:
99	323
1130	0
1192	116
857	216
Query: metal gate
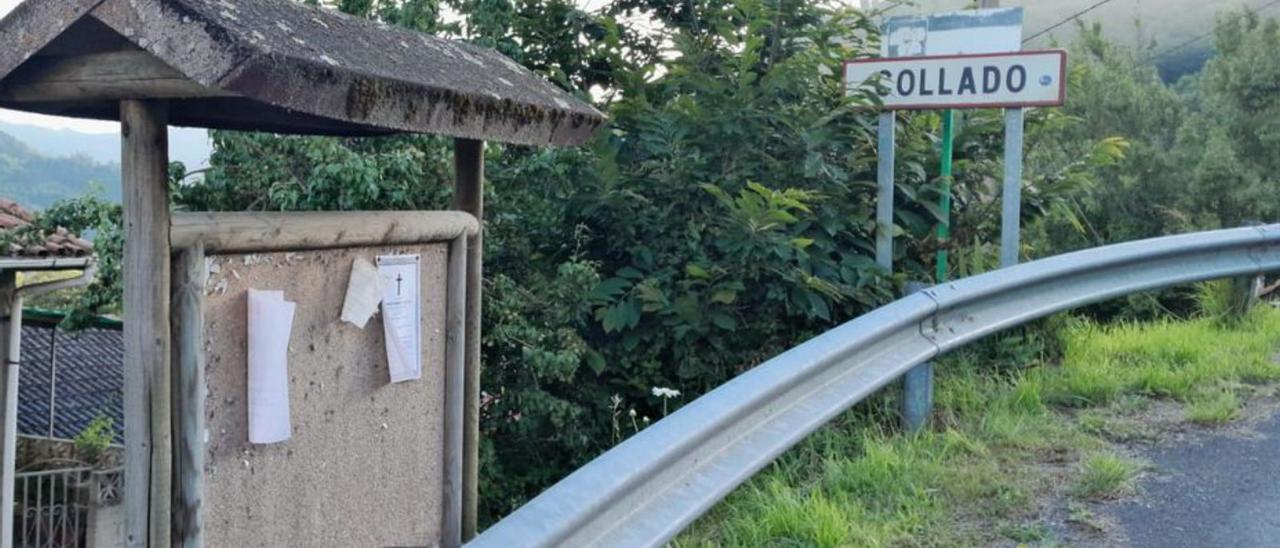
53	506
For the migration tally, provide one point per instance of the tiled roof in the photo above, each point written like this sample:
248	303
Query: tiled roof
19	237
90	380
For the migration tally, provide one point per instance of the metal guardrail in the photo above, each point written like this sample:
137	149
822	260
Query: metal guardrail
647	489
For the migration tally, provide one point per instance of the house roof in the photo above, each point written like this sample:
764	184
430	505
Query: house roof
21	238
90	380
278	65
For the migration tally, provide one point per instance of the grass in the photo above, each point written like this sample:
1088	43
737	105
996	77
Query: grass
1106	476
1000	443
1221	407
1173	360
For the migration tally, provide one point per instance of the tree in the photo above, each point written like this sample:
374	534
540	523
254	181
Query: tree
724	216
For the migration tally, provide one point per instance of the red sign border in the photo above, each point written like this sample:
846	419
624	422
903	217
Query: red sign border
1062	78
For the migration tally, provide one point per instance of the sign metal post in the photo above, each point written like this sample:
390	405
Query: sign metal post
884	198
969	59
1010	80
1011	200
944	205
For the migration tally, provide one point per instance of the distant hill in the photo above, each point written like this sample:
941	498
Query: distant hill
189	146
36	180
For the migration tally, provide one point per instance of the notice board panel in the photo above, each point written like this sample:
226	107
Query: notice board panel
364	464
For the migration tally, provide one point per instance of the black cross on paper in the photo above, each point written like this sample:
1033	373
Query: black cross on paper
399	278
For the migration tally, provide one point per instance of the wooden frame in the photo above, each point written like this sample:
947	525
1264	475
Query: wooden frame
205	234
105	76
132	60
189	277
468	196
144	128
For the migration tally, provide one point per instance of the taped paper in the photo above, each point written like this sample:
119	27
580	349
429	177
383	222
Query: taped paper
363	294
399	277
270	325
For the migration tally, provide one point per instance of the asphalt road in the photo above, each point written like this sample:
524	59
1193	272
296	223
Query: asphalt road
1220	490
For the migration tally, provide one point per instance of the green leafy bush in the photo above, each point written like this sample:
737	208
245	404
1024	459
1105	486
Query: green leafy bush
725	215
92	442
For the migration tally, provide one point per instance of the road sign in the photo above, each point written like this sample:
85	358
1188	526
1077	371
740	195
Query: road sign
991	80
955	33
958	59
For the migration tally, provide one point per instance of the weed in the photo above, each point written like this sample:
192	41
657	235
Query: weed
92	442
1131	404
1026	532
1093	422
1107	424
1219	407
1080	514
1106	476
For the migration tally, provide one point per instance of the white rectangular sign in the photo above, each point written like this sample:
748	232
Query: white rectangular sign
399	279
957	33
994	80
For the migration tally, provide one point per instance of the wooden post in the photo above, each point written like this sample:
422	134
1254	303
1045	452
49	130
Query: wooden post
455	387
468	195
148	451
9	317
189	276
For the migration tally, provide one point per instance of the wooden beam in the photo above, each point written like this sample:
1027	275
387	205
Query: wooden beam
189	276
468	195
116	75
455	387
148	451
255	232
9	317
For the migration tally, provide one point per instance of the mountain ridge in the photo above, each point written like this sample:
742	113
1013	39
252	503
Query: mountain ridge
36	180
189	146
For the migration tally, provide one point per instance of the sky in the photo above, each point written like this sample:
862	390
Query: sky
87	126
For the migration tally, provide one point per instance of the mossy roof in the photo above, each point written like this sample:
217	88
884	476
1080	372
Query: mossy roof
290	68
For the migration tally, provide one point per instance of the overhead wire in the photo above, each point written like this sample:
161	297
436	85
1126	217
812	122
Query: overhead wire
1176	47
1201	36
1069	19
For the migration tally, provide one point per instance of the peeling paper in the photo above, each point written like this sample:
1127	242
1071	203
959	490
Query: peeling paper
270	325
363	294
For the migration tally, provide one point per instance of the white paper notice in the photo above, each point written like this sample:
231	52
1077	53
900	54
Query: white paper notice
399	276
363	294
270	323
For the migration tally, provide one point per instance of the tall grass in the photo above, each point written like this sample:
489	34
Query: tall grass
974	477
1175	360
1106	476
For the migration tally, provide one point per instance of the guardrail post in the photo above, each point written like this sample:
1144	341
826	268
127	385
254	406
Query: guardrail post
917	386
1245	289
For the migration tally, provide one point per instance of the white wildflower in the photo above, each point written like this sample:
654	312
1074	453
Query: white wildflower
668	393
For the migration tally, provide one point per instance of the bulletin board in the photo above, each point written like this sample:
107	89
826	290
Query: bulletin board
364	464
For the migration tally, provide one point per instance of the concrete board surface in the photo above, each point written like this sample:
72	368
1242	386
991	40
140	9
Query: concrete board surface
363	466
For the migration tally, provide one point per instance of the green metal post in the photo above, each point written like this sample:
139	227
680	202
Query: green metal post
944	227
